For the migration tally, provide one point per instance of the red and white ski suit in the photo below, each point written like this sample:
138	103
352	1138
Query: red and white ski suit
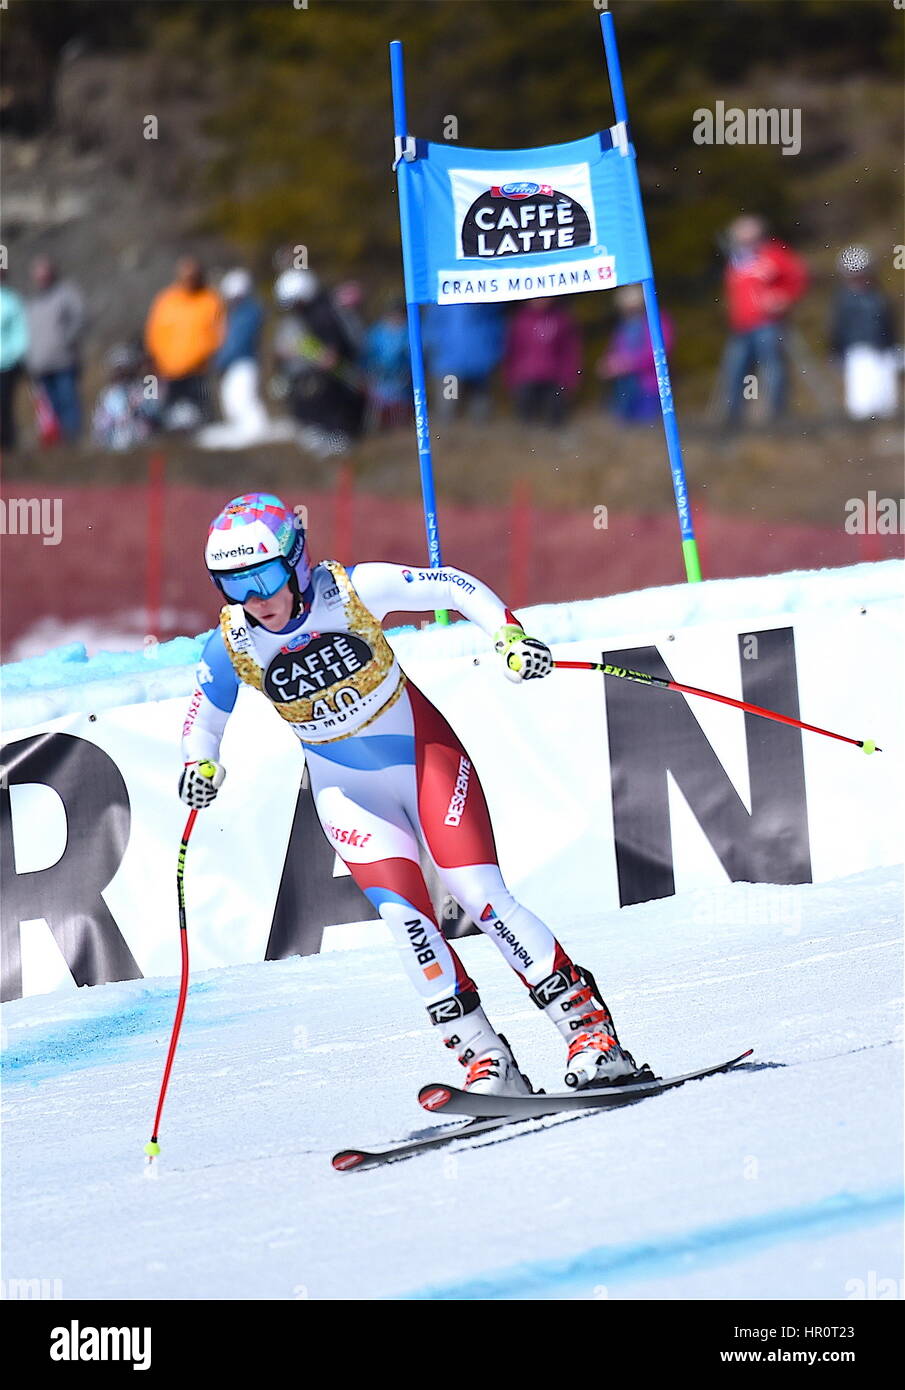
387	772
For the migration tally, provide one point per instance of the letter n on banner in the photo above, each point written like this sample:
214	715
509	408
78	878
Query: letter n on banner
654	732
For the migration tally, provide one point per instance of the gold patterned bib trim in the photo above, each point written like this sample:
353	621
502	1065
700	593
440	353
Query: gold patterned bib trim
363	655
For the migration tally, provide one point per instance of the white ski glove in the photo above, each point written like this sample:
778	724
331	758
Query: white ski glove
526	658
200	782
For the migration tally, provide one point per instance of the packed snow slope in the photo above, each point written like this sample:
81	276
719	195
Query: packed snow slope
780	1180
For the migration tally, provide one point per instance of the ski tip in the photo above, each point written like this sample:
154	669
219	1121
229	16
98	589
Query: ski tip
434	1097
346	1159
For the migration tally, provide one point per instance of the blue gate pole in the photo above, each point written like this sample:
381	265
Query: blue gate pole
655	327
416	347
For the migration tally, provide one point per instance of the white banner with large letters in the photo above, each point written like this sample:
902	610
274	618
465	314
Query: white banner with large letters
661	793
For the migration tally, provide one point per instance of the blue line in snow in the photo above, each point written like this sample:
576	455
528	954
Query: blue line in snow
683	1253
57	1048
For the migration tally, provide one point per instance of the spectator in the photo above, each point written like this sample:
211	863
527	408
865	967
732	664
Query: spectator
863	335
56	323
388	368
318	362
463	345
542	365
245	420
123	418
236	359
347	301
763	280
13	347
628	363
184	329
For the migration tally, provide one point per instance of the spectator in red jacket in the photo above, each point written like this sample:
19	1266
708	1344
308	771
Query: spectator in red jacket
764	279
542	362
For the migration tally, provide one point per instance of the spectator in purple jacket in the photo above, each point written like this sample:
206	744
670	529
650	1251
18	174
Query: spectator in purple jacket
542	363
628	363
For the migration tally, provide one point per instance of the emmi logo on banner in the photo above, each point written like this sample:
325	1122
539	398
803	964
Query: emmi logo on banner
76	1343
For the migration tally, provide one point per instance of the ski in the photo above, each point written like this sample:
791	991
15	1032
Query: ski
509	1110
449	1099
348	1159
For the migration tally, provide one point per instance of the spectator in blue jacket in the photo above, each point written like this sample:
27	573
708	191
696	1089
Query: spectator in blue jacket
245	420
244	320
236	361
13	347
463	344
388	368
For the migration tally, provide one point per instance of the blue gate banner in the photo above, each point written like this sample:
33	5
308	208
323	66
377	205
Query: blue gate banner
493	226
499	225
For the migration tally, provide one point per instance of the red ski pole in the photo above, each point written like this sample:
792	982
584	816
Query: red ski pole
152	1148
867	744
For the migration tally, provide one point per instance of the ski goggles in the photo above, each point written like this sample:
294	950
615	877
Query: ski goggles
259	581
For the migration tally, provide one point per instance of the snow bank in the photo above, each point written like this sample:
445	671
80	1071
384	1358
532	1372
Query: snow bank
66	680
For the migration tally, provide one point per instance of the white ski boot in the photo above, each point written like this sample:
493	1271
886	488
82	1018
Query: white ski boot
496	1073
571	1000
491	1069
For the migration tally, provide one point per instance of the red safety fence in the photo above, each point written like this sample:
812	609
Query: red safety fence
128	562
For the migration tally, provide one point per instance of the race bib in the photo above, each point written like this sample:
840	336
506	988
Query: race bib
318	663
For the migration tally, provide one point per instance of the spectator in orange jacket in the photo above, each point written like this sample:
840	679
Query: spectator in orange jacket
185	327
763	280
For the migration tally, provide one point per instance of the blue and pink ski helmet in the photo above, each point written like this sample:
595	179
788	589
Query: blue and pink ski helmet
255	546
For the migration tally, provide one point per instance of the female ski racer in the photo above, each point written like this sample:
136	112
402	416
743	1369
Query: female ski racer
387	771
